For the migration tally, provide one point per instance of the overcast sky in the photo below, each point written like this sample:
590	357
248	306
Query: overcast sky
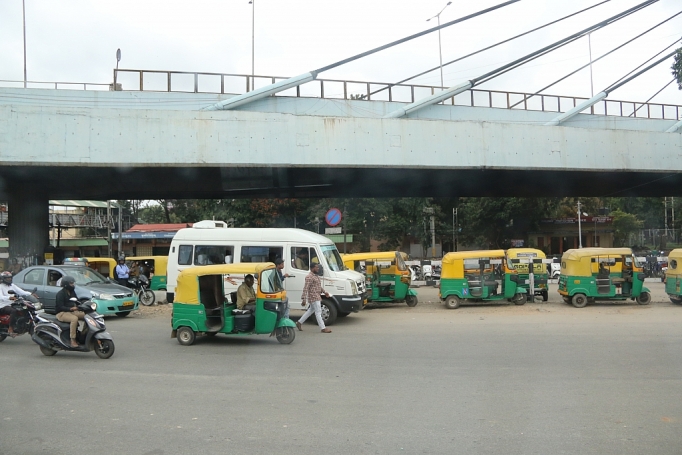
76	40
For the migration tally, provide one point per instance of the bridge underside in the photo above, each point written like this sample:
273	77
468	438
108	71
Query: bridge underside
103	183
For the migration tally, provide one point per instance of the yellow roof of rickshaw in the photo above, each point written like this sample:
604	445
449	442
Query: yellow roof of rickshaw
450	258
578	254
375	255
675	254
514	252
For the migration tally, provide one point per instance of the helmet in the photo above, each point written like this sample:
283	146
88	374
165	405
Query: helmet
68	280
6	276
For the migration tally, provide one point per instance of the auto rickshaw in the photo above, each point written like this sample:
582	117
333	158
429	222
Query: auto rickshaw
387	276
105	266
479	276
673	276
591	274
201	306
540	274
156	270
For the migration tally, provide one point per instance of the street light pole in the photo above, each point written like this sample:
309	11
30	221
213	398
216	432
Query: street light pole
253	42
589	43
440	48
23	8
580	233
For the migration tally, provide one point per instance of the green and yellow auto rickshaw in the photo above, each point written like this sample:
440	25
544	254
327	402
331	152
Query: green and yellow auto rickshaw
201	306
155	269
591	274
673	276
387	275
521	259
479	276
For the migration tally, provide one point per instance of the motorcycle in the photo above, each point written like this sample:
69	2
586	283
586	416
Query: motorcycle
52	335
140	286
26	316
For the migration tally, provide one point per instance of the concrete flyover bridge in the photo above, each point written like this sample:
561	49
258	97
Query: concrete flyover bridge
156	142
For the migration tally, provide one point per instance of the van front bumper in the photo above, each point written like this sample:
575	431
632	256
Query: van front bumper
349	303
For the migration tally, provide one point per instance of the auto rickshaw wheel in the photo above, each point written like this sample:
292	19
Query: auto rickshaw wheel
411	300
545	296
579	300
644	298
519	299
185	336
452	302
286	335
329	312
676	301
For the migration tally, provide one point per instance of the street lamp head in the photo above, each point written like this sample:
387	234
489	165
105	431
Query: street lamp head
118	55
449	3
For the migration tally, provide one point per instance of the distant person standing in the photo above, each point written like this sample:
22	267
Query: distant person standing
15	267
122	272
283	276
312	290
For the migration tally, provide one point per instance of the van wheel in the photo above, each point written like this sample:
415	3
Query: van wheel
579	300
644	298
411	300
452	302
329	312
185	336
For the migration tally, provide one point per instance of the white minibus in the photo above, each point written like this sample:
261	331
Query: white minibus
212	242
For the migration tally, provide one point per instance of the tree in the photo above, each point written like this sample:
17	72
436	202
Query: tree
677	68
624	224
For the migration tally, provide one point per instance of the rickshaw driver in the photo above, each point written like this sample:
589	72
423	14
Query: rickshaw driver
246	296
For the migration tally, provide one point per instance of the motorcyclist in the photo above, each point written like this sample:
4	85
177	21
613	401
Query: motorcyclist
6	308
67	309
6	285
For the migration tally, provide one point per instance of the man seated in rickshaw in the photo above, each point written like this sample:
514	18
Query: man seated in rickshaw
246	296
603	271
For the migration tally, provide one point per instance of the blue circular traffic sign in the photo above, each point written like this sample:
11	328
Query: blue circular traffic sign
333	217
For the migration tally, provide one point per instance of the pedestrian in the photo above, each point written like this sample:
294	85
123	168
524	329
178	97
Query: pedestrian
312	290
283	276
122	272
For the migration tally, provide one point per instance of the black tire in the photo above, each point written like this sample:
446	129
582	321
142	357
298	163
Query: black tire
675	301
47	351
411	300
185	336
452	302
579	300
545	296
329	312
104	348
147	298
519	299
566	299
286	335
122	314
342	314
2	338
644	298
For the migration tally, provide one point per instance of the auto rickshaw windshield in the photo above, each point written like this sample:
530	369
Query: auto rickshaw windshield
270	282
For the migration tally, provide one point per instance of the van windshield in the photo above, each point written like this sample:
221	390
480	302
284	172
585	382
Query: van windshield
331	254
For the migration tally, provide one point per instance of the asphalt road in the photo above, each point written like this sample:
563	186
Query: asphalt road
542	378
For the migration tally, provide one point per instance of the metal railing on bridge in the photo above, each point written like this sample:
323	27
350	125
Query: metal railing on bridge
236	84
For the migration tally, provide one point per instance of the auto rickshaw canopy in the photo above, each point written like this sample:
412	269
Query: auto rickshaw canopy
187	289
674	262
578	262
105	266
350	259
160	262
530	253
453	263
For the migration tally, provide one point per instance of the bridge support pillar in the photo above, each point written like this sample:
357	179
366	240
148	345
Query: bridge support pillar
27	227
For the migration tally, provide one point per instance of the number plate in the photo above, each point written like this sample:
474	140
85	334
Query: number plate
128	303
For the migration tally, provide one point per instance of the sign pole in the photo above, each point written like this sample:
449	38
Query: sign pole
344	229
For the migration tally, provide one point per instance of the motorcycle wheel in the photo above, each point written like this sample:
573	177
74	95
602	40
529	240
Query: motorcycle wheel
285	335
47	352
147	297
104	348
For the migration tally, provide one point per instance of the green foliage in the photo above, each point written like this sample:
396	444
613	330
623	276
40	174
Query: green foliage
677	68
624	225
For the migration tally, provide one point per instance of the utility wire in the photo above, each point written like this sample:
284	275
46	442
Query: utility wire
653	57
487	48
416	35
523	60
654	96
525	98
621	82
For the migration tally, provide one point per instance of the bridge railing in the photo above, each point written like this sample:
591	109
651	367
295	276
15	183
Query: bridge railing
57	85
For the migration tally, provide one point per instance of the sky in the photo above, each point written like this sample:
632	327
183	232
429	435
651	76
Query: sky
76	41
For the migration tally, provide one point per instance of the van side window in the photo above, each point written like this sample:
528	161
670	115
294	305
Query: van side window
209	254
300	257
261	253
185	255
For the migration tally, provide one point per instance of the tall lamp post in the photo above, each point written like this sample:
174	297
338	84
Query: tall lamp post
440	49
253	42
23	9
580	232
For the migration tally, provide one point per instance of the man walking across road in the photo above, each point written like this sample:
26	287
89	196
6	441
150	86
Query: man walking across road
312	290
